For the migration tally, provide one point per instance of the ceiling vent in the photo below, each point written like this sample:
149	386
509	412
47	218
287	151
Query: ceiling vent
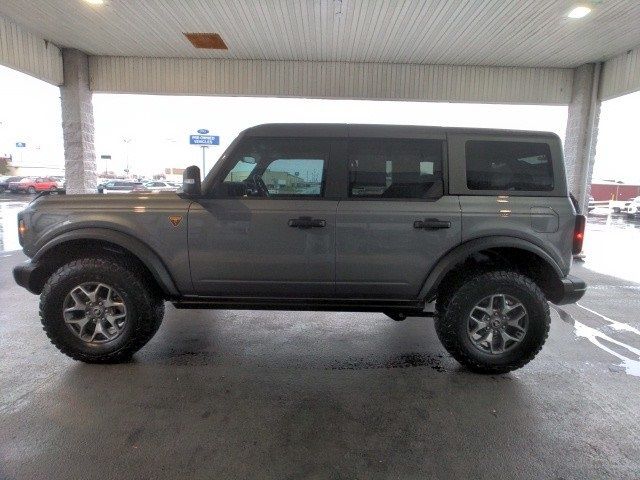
212	41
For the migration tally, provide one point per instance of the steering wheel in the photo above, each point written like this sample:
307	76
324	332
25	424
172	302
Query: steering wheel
259	187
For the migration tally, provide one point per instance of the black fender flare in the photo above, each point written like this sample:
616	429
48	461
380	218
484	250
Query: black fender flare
458	254
138	248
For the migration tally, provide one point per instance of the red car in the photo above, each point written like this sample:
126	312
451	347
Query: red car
34	184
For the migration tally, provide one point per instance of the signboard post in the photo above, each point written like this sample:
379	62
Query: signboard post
106	159
204	141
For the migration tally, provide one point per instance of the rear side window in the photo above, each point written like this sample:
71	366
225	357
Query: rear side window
508	166
382	168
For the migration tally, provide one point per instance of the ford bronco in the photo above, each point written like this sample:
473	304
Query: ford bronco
473	227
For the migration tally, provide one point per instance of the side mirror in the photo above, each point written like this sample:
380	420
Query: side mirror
191	183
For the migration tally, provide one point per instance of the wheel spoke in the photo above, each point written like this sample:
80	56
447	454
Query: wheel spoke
90	295
479	326
113	319
98	331
486	311
506	337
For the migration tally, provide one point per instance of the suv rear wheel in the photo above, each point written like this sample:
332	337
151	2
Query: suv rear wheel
493	322
98	310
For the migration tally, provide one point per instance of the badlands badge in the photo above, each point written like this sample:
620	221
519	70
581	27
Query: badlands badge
175	220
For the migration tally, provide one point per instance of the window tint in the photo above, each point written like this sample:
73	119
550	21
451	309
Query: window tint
276	167
504	166
395	168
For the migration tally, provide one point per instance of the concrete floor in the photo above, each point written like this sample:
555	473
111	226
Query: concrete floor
228	394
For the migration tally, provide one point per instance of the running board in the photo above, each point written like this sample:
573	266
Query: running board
411	308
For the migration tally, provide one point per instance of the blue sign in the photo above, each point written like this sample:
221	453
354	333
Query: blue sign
20	144
204	140
203	131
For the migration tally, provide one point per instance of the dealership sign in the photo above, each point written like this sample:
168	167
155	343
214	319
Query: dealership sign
204	139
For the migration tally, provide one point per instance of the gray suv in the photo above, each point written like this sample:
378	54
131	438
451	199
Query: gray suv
473	227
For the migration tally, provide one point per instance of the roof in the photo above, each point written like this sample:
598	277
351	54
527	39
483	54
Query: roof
352	129
447	32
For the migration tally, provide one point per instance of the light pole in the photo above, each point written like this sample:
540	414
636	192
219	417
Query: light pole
204	147
127	141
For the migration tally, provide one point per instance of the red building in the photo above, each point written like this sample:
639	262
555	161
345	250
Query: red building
608	190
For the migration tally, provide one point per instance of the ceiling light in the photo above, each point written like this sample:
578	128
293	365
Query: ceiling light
95	2
579	12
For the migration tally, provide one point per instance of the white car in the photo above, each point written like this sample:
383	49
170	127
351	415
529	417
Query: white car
632	209
160	186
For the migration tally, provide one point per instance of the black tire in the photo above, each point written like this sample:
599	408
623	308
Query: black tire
453	311
145	309
31	190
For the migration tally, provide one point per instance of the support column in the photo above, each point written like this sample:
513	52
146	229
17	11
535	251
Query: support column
582	131
77	123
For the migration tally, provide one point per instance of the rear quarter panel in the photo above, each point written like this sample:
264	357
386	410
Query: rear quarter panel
544	218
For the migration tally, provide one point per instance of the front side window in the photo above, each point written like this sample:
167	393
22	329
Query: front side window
508	166
278	168
381	168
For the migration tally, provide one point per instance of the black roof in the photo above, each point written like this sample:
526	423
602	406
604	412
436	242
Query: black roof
351	130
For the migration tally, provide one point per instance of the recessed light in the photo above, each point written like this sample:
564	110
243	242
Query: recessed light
579	12
95	2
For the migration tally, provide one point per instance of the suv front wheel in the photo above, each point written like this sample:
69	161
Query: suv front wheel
99	310
493	322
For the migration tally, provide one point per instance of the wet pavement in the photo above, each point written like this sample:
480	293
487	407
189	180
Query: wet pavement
244	394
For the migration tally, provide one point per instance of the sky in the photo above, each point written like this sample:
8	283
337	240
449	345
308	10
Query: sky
148	133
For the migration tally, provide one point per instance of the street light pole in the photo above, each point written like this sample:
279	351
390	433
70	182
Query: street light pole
203	160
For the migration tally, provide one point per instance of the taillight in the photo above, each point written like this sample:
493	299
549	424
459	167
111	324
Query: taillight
578	234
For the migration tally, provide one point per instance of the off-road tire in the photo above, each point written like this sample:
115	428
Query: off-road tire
145	308
454	307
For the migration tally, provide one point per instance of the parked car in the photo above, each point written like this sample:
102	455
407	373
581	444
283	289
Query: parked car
632	210
5	181
160	186
118	186
34	185
473	227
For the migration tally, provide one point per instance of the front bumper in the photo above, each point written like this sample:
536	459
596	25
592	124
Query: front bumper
573	288
24	276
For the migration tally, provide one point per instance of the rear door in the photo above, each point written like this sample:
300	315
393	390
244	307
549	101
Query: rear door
396	219
268	229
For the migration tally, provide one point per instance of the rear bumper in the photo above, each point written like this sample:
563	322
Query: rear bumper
23	274
573	288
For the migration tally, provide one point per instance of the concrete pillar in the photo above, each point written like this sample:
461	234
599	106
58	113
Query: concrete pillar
582	131
77	123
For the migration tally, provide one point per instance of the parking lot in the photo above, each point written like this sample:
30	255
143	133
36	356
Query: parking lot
251	394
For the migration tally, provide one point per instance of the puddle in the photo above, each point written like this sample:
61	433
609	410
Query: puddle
596	337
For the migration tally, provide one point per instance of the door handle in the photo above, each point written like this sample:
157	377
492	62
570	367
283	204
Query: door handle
307	222
431	224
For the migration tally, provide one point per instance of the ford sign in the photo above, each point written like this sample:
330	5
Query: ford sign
203	131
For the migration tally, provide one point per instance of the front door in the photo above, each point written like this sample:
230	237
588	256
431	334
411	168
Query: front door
396	221
268	230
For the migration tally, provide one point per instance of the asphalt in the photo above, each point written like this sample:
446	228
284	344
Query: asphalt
249	394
